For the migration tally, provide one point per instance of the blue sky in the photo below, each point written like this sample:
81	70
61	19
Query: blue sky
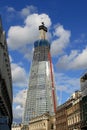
67	25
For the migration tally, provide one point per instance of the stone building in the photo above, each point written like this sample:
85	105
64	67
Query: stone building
68	115
16	127
25	127
43	122
61	117
74	112
19	127
84	113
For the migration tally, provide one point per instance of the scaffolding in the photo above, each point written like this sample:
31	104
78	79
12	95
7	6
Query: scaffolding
41	92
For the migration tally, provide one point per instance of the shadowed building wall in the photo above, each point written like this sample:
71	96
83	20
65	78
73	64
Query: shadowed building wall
5	83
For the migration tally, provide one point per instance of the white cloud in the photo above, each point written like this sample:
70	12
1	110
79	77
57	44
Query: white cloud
19	101
36	19
81	40
17	112
19	76
80	62
20	36
64	61
76	60
63	38
27	10
66	84
20	97
28	52
10	9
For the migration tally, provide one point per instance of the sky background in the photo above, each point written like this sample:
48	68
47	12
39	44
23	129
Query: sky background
66	21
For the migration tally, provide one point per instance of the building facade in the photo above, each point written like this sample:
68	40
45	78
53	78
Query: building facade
84	113
25	127
41	96
5	83
43	122
74	112
68	115
61	117
83	82
16	127
19	127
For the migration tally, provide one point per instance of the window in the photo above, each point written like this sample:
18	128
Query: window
52	126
